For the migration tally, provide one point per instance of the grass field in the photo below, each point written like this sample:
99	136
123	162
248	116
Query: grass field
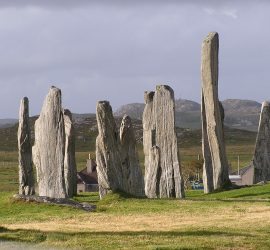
237	219
9	165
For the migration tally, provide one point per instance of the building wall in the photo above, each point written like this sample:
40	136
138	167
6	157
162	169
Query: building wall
91	188
248	177
87	188
80	188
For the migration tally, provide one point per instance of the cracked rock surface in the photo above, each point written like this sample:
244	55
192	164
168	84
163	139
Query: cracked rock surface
216	168
26	175
162	167
261	158
53	152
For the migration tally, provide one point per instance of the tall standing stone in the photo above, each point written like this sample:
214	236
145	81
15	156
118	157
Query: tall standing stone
108	151
133	182
70	169
51	148
26	175
261	159
216	168
162	167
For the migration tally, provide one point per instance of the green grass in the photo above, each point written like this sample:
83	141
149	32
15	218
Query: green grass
256	192
9	161
201	221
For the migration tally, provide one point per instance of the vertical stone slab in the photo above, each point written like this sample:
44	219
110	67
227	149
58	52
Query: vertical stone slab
26	175
108	151
159	130
49	148
215	160
151	152
261	158
70	169
152	176
133	182
207	164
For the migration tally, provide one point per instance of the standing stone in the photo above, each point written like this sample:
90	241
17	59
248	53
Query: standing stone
216	168
26	175
152	176
133	182
49	148
162	168
70	169
261	159
108	151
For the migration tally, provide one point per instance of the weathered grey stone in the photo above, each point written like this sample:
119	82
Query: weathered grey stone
26	175
261	158
216	169
70	169
108	151
152	173
133	182
49	148
56	201
159	132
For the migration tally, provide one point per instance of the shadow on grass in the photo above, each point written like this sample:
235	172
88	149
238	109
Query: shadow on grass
36	236
253	194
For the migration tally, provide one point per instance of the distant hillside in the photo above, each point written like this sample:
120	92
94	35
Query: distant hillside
5	123
134	110
86	132
241	114
244	114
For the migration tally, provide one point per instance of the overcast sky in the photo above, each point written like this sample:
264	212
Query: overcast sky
115	50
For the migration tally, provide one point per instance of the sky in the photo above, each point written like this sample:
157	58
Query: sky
117	49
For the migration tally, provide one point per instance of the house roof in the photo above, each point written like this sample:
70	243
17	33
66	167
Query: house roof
242	171
87	178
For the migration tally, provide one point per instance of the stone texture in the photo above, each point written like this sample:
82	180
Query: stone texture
261	159
152	175
108	151
70	169
56	201
53	150
26	175
133	182
162	167
216	169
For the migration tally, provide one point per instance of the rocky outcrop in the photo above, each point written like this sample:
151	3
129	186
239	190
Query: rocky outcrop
70	169
108	151
133	182
26	175
216	170
261	159
52	153
162	167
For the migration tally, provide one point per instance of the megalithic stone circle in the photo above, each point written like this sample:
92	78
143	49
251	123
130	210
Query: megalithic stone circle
133	182
159	132
108	151
50	148
26	175
261	158
216	168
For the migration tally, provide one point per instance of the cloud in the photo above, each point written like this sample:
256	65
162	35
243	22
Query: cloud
93	50
209	11
230	13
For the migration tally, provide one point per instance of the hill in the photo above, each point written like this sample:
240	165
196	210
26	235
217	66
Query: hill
86	132
242	114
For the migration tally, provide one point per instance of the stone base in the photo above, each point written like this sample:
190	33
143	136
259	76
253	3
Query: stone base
55	201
